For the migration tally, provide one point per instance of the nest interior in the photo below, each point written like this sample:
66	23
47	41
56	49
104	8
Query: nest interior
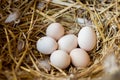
18	35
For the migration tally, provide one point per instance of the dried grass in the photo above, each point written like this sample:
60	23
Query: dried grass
18	54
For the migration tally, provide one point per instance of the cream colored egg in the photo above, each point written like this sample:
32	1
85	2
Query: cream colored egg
68	42
60	59
79	57
87	38
55	30
46	45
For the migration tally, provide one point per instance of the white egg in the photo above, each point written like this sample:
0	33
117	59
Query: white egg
79	57
87	38
60	59
55	30
68	42
46	45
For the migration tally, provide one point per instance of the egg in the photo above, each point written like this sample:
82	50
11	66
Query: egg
79	57
46	45
68	42
60	59
87	38
55	30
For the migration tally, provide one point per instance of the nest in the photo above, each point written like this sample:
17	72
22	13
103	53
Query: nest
23	22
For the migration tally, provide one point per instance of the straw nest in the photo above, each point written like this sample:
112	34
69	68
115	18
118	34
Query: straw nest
23	22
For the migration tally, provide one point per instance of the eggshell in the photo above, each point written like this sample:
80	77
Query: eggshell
55	30
60	59
87	38
68	42
46	45
79	57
